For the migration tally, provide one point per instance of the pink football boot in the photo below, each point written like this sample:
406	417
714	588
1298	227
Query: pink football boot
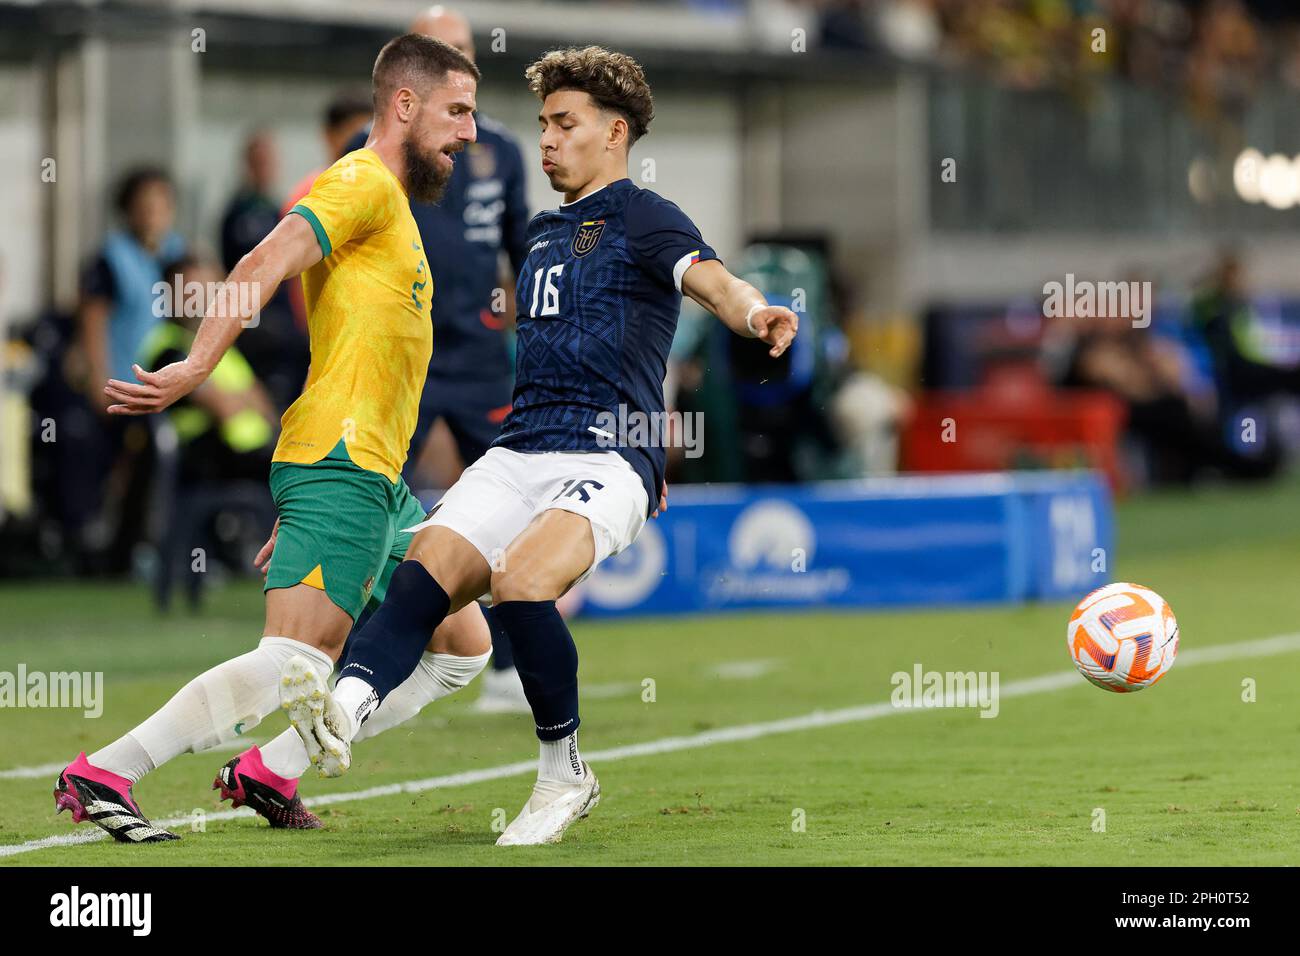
105	800
246	780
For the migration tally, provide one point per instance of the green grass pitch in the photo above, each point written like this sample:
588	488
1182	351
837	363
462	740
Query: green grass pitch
1185	773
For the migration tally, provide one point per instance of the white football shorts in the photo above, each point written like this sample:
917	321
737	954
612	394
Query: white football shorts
497	496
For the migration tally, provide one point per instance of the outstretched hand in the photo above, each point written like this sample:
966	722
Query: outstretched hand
776	325
155	391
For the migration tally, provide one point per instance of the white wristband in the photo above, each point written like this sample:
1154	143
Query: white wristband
749	317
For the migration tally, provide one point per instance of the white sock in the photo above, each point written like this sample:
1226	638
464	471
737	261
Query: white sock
124	757
286	755
217	706
356	699
560	761
437	676
503	681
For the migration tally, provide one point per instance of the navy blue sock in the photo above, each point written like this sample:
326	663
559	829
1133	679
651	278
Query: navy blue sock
503	655
547	661
362	619
387	650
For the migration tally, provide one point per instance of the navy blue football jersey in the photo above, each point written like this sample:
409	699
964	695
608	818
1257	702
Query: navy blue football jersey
482	212
598	298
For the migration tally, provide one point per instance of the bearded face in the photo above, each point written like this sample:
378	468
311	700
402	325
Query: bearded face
438	123
428	171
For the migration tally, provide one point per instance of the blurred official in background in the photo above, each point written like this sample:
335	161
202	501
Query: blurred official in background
278	353
483	214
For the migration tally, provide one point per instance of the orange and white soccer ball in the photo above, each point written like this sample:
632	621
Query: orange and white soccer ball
1122	637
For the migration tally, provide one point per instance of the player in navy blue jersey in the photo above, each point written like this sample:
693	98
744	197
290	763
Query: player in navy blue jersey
482	214
562	487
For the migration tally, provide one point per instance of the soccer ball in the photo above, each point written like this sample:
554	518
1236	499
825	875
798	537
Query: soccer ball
1122	637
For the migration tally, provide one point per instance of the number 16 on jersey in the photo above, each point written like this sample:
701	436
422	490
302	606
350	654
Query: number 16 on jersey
547	289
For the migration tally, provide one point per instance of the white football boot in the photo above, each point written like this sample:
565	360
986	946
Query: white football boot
551	810
319	720
502	693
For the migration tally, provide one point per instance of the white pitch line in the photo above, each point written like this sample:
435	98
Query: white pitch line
1061	680
31	773
611	690
49	769
743	670
727	670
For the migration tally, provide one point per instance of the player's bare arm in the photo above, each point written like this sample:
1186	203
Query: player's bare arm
92	321
740	306
290	249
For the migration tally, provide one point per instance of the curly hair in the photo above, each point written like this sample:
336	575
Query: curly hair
614	80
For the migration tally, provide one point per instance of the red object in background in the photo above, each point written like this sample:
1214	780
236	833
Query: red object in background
1015	420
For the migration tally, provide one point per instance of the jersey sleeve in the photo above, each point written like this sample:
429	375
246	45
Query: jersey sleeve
349	201
663	239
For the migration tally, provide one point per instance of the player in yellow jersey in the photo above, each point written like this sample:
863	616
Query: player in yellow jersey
336	472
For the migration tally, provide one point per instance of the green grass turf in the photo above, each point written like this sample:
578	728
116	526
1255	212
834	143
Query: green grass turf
1186	773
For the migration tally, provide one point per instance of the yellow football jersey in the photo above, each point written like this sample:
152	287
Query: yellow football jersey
367	320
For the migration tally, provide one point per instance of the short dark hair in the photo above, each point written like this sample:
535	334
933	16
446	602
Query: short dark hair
413	59
346	106
134	182
191	258
614	80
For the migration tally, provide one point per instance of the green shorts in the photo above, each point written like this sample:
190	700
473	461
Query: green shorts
340	529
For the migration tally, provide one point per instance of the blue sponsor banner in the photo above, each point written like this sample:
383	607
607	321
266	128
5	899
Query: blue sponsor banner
905	541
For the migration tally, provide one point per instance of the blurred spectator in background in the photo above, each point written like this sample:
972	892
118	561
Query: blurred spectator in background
277	350
1242	371
1177	438
909	29
346	115
1289	55
67	492
1214	52
117	290
227	426
1147	38
252	212
781	419
842	26
115	315
213	452
1226	60
866	413
810	415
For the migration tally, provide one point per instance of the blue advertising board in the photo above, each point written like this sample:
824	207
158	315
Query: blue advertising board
904	541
